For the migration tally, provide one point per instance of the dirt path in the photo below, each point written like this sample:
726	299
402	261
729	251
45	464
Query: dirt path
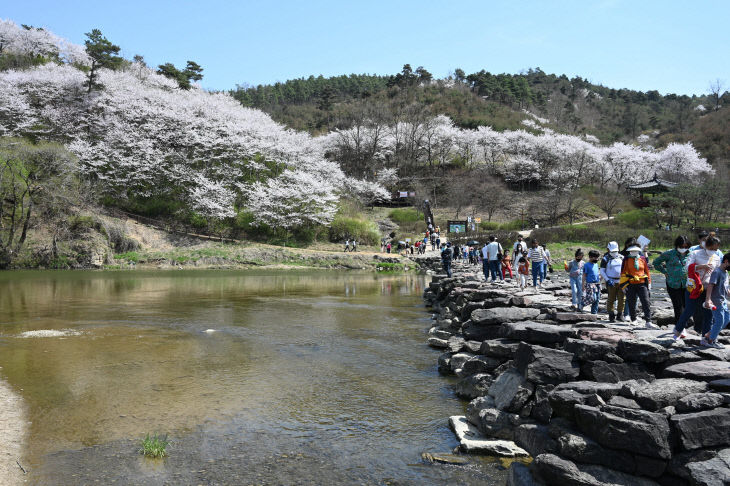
527	233
12	431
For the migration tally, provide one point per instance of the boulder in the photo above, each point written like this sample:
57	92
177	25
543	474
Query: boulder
677	467
520	475
680	355
535	439
557	471
477	405
473	386
608	335
604	390
541	409
472	441
589	350
615	372
455	344
562	402
457	360
536	332
625	429
583	449
666	391
500	315
712	472
716	354
619	401
696	402
439	333
544	365
435	342
710	428
499	348
474	331
469	308
704	370
444	363
479	364
721	385
568	317
511	391
645	351
498	424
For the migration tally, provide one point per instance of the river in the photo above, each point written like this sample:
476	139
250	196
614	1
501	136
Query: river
271	377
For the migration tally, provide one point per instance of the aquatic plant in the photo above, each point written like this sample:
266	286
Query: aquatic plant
154	446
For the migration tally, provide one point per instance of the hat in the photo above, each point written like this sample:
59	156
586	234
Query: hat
448	243
633	248
612	246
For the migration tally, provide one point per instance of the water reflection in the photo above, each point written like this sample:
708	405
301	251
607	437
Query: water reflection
294	356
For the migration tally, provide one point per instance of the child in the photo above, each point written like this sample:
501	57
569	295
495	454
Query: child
523	270
575	270
717	293
636	279
506	265
592	281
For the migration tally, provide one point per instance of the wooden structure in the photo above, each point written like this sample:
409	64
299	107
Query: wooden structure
653	187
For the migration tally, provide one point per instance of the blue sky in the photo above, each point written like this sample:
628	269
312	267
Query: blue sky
672	46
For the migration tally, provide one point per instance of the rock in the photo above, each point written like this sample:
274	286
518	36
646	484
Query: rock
705	370
444	363
455	344
721	385
520	475
712	472
472	347
458	360
562	402
624	429
677	467
472	441
696	402
645	351
608	335
498	424
604	390
589	350
619	401
511	391
544	365
666	391
679	355
469	309
629	388
476	406
444	458
435	342
557	471
697	430
479	364
583	449
535	439
615	372
473	386
500	315
439	333
574	317
541	410
716	354
536	332
499	348
476	332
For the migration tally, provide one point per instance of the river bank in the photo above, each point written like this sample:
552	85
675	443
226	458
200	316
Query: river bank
591	402
12	425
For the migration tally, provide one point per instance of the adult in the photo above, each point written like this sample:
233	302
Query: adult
636	279
673	265
702	240
446	256
536	256
518	249
611	265
354	245
493	255
702	262
347	245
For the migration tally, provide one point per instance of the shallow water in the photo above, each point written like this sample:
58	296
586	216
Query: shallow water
305	378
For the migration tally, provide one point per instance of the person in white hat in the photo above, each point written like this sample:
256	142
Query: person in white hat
611	265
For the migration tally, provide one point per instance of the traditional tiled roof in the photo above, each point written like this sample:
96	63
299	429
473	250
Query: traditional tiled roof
654	183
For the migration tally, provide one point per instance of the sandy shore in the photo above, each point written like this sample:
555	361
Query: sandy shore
12	430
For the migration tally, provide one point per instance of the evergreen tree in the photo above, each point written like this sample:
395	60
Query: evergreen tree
103	54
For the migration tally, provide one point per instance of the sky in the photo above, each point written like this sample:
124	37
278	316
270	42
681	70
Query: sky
672	46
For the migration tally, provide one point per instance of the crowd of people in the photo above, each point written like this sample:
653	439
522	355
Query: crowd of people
696	278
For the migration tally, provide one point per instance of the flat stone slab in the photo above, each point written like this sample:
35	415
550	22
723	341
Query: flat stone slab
473	442
705	370
444	458
721	385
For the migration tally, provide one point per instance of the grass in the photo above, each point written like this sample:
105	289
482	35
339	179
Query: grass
130	256
154	446
390	267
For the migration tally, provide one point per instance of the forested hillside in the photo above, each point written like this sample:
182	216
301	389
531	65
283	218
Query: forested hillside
571	105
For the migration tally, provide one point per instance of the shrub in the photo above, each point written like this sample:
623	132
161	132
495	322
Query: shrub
365	232
488	225
636	219
405	215
116	233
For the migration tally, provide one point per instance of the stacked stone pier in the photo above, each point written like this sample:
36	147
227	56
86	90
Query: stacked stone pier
585	402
